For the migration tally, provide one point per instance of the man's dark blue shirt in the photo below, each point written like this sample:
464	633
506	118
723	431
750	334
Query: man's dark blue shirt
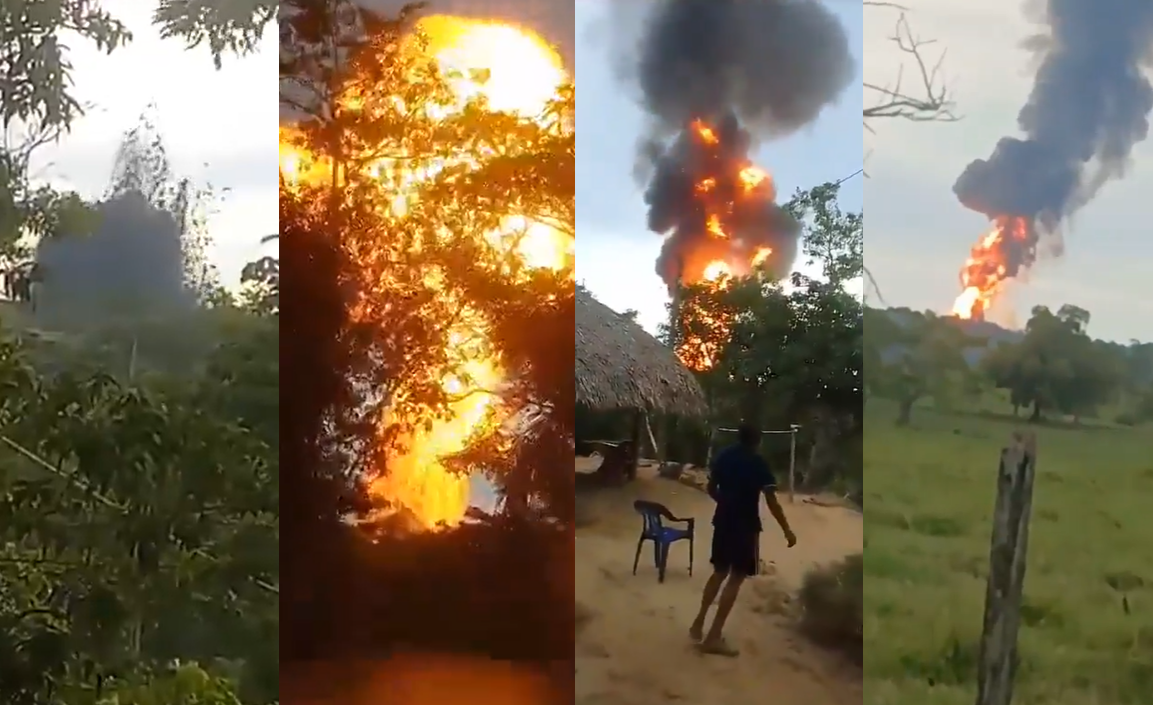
737	479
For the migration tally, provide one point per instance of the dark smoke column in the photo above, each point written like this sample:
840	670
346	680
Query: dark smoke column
1089	106
750	69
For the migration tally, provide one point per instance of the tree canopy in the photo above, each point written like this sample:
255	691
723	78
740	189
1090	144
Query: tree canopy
139	517
790	352
1051	368
398	314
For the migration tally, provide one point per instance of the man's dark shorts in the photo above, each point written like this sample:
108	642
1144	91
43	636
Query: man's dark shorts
735	550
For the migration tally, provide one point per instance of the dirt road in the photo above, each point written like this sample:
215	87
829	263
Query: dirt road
632	644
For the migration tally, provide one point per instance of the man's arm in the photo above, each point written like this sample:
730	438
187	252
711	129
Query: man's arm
775	508
778	513
714	481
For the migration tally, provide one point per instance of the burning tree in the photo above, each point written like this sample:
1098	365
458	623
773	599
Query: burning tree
427	209
786	353
723	221
716	79
455	233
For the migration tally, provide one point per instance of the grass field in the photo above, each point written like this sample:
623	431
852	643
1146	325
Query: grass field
929	492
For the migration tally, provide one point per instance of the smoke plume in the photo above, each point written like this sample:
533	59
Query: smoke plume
748	70
1089	107
146	255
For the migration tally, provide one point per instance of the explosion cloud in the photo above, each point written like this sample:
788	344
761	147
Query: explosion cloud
715	76
1089	107
552	20
702	196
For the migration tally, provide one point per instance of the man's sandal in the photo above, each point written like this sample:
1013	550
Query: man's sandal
718	647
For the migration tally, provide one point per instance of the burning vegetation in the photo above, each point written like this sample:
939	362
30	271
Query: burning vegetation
719	77
419	284
726	226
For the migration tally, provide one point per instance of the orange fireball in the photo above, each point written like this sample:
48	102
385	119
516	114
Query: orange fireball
987	267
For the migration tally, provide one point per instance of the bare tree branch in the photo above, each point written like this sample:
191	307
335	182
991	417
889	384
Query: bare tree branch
930	100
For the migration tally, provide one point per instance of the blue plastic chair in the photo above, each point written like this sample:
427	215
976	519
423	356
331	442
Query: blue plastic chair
655	515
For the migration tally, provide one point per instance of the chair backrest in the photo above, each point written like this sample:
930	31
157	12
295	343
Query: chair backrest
652	513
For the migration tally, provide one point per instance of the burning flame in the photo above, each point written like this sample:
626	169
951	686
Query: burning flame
697	352
986	268
514	70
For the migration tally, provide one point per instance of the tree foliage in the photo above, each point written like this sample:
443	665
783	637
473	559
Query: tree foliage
138	486
38	104
1051	368
1056	366
792	353
377	300
128	501
918	357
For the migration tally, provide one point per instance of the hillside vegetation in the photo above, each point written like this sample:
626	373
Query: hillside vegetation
1052	370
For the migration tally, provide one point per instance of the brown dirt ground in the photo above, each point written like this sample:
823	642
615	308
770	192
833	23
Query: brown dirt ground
632	642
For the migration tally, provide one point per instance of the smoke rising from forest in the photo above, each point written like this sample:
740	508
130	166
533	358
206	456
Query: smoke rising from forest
145	254
747	70
1089	107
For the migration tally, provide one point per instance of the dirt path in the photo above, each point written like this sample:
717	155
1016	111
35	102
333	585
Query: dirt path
633	647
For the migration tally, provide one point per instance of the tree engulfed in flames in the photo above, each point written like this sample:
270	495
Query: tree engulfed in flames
517	72
987	267
699	352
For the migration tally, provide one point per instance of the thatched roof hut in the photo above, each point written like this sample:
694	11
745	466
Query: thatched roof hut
620	366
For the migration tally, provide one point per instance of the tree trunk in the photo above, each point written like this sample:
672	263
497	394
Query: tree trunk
662	439
635	445
751	405
905	412
1036	415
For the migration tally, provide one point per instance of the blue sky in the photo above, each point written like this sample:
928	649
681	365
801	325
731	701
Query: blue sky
615	251
917	235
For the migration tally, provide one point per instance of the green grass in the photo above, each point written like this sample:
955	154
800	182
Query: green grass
929	492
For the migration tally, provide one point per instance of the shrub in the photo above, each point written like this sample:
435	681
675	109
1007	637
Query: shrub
830	602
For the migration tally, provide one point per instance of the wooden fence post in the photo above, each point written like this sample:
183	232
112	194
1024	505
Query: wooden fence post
997	660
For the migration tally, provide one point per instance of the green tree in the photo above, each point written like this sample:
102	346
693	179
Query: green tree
138	501
914	356
789	356
127	502
1056	366
38	104
263	277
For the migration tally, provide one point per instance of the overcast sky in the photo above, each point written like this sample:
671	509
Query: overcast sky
616	253
917	235
219	126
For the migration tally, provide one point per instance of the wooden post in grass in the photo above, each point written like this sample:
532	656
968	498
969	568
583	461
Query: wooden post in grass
997	661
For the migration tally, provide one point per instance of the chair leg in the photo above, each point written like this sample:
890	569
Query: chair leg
690	555
637	558
662	561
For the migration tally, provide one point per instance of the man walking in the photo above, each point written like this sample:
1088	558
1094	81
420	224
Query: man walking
738	478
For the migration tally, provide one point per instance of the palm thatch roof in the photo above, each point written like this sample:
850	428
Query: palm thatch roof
620	366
